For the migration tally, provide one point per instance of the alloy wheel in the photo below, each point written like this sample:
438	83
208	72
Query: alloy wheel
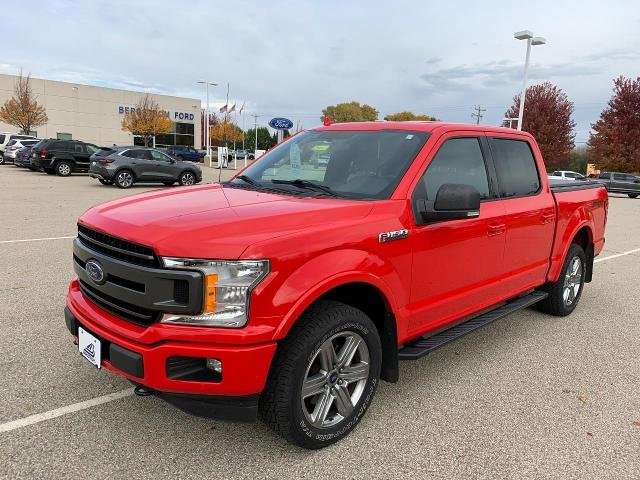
188	178
64	169
572	281
335	379
125	179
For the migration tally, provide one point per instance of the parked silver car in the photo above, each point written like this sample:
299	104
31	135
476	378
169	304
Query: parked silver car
11	149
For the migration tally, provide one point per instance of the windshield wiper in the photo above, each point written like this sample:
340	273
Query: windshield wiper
249	180
307	185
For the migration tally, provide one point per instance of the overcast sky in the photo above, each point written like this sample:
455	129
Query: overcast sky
293	58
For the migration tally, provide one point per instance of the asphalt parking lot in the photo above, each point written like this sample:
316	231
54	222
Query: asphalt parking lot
529	396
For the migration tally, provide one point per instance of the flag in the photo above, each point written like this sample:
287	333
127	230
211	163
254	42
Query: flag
233	108
224	108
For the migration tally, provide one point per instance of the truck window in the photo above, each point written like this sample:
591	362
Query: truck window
605	176
515	166
459	160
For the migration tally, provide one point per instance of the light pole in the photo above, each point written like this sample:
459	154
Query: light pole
206	121
531	40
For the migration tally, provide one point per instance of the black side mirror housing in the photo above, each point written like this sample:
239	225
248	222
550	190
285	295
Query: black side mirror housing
453	201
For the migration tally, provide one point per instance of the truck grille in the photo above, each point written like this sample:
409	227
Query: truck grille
117	248
124	310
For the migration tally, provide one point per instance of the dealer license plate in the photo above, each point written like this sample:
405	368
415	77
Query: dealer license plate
89	346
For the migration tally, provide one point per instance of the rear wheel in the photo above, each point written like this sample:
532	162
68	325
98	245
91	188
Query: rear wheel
632	195
564	294
323	377
187	178
105	182
63	169
124	179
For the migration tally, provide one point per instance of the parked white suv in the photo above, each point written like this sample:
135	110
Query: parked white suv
566	175
6	137
11	148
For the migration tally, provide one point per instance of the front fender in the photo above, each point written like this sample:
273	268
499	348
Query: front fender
330	270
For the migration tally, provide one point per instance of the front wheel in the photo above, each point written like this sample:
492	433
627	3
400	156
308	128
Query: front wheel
187	178
324	376
105	182
124	179
633	195
564	293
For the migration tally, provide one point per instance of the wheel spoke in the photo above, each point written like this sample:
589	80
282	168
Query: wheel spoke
353	373
327	356
347	351
343	400
322	408
314	385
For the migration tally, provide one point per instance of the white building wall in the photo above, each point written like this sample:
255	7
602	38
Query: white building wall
90	113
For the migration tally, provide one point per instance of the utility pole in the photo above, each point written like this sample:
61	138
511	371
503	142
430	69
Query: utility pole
478	115
255	125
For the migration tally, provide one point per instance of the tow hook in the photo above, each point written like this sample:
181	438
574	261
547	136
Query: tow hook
143	391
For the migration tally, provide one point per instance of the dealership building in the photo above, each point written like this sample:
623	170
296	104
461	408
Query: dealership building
94	114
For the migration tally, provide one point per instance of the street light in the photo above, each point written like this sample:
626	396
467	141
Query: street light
531	40
207	139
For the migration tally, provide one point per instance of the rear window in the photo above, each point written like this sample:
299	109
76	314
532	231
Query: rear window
104	152
2	138
28	143
515	167
12	142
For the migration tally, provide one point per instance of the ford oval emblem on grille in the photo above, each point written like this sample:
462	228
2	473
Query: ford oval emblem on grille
95	271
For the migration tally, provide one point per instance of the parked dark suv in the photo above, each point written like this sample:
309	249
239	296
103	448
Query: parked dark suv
62	157
616	182
182	152
126	165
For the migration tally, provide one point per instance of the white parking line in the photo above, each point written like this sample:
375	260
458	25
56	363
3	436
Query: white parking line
35	239
58	412
628	252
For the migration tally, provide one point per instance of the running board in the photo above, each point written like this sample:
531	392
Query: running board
422	346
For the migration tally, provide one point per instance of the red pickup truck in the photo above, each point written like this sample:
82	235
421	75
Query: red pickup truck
292	289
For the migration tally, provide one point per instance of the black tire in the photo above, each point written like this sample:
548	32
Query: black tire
632	195
168	184
187	178
124	178
555	303
105	182
1	159
63	169
281	403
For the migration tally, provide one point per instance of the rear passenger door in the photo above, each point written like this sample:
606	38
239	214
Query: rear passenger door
529	213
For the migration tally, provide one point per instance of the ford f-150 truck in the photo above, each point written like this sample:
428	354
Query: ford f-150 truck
293	289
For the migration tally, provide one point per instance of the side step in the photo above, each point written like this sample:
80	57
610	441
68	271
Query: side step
422	346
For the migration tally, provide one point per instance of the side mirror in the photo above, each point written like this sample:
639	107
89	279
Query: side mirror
453	201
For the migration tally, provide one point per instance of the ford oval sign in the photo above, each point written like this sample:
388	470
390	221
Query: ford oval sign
281	123
95	272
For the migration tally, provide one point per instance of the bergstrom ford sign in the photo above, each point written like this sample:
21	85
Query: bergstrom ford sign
175	116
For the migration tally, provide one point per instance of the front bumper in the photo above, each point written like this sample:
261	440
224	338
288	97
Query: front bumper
244	367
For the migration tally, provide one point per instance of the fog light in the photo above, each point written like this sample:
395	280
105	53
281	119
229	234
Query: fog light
214	364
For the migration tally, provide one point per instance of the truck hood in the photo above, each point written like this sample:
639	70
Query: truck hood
212	221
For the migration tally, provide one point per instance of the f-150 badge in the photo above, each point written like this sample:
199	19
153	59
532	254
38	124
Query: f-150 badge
394	235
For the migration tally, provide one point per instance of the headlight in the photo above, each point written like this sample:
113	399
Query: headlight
227	288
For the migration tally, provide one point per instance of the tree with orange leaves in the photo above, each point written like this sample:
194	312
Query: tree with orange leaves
147	120
23	110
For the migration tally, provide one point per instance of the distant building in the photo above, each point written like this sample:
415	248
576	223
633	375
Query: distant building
93	114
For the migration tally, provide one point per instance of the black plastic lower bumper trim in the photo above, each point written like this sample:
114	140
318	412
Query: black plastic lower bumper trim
237	409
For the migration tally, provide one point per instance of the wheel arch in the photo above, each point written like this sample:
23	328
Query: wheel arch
366	293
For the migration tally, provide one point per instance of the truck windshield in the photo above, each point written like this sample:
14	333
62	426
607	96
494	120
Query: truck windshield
351	164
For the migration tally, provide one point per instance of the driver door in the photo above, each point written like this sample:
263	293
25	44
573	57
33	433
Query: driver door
457	264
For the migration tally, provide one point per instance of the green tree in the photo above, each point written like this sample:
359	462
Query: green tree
408	116
350	112
265	139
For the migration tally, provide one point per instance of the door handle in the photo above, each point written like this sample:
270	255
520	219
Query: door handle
496	229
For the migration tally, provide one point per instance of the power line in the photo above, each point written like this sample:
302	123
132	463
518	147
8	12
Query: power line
478	115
